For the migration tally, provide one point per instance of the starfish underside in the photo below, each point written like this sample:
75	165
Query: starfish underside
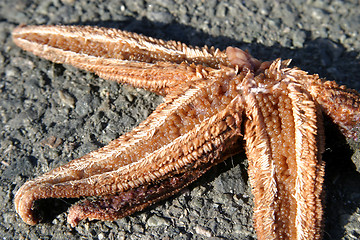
215	101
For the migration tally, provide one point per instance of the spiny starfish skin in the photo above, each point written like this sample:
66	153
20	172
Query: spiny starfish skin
214	101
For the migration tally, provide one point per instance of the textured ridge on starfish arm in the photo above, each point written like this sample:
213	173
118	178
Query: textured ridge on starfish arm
309	142
261	167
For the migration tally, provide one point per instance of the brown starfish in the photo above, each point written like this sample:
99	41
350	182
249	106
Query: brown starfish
214	100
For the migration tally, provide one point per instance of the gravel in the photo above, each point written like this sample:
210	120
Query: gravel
53	113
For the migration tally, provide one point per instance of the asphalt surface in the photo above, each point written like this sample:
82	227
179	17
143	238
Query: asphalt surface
53	113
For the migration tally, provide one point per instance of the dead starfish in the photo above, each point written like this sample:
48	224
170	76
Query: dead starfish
214	100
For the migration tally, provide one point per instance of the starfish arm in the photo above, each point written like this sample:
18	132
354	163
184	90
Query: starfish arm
121	56
154	176
180	112
341	104
284	142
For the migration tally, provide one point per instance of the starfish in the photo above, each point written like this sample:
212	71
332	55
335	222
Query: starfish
214	103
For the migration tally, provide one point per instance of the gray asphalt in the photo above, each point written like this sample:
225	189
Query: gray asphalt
53	113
